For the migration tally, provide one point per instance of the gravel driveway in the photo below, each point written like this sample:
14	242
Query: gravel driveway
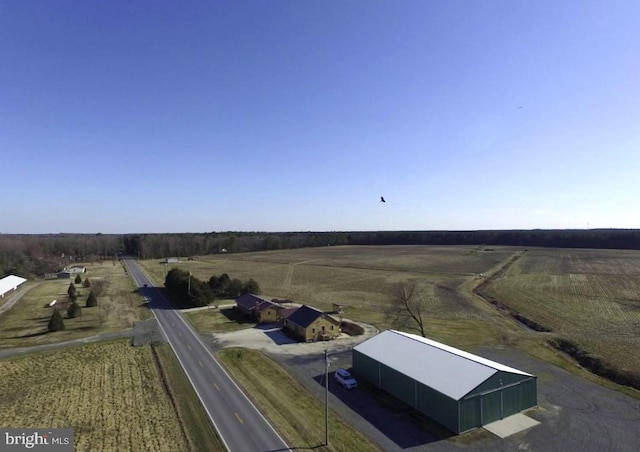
574	414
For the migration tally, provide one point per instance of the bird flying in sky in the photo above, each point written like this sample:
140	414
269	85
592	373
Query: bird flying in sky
382	199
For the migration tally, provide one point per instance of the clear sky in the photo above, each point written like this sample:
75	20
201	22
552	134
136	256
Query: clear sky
166	116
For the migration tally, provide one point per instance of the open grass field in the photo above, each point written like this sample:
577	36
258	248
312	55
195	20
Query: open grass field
294	412
591	297
118	308
111	394
362	277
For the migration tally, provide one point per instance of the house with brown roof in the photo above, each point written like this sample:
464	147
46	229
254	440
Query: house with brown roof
258	308
267	312
309	324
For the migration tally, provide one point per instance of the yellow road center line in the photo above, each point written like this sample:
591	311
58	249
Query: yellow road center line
200	362
188	346
216	386
239	418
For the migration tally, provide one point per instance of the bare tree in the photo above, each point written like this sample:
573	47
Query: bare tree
408	307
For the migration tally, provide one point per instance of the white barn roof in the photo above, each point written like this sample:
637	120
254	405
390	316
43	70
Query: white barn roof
448	370
9	283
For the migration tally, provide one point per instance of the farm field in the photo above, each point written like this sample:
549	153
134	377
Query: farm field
362	278
110	393
119	307
591	297
588	296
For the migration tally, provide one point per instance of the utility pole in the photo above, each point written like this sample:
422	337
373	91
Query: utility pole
326	396
189	284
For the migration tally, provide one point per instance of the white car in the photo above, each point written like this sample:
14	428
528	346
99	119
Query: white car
343	377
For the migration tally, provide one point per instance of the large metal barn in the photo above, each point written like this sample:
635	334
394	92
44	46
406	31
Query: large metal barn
457	389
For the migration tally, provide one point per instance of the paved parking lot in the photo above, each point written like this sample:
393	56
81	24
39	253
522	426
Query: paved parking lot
574	414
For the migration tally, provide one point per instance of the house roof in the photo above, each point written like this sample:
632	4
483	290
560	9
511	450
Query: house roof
286	312
266	304
448	370
249	301
305	316
10	282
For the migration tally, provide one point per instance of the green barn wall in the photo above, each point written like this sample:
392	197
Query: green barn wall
438	407
366	368
480	409
401	386
469	414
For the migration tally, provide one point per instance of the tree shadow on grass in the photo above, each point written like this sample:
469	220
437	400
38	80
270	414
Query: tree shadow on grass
86	328
234	315
36	334
40	319
14	329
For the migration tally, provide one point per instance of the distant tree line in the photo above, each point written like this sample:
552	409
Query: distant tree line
34	255
187	291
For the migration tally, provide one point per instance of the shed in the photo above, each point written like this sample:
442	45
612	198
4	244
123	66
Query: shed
248	304
457	389
9	283
76	269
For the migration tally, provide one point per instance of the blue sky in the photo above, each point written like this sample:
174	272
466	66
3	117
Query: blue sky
123	116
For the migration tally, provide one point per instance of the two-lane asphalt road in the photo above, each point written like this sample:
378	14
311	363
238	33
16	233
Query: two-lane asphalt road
239	423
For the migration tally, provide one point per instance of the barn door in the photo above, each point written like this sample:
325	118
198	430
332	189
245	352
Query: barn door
491	406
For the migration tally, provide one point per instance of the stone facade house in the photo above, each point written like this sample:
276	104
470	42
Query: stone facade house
308	324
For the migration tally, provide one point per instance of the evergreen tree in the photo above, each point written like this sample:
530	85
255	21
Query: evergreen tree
214	283
86	283
251	286
71	290
223	284
235	288
91	300
55	322
74	310
78	279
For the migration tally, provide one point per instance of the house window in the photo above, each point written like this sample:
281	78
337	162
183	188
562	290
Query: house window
331	327
313	330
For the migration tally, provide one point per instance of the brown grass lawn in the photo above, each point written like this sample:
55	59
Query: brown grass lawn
120	307
221	320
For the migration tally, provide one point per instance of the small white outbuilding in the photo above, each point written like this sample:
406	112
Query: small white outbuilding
9	283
